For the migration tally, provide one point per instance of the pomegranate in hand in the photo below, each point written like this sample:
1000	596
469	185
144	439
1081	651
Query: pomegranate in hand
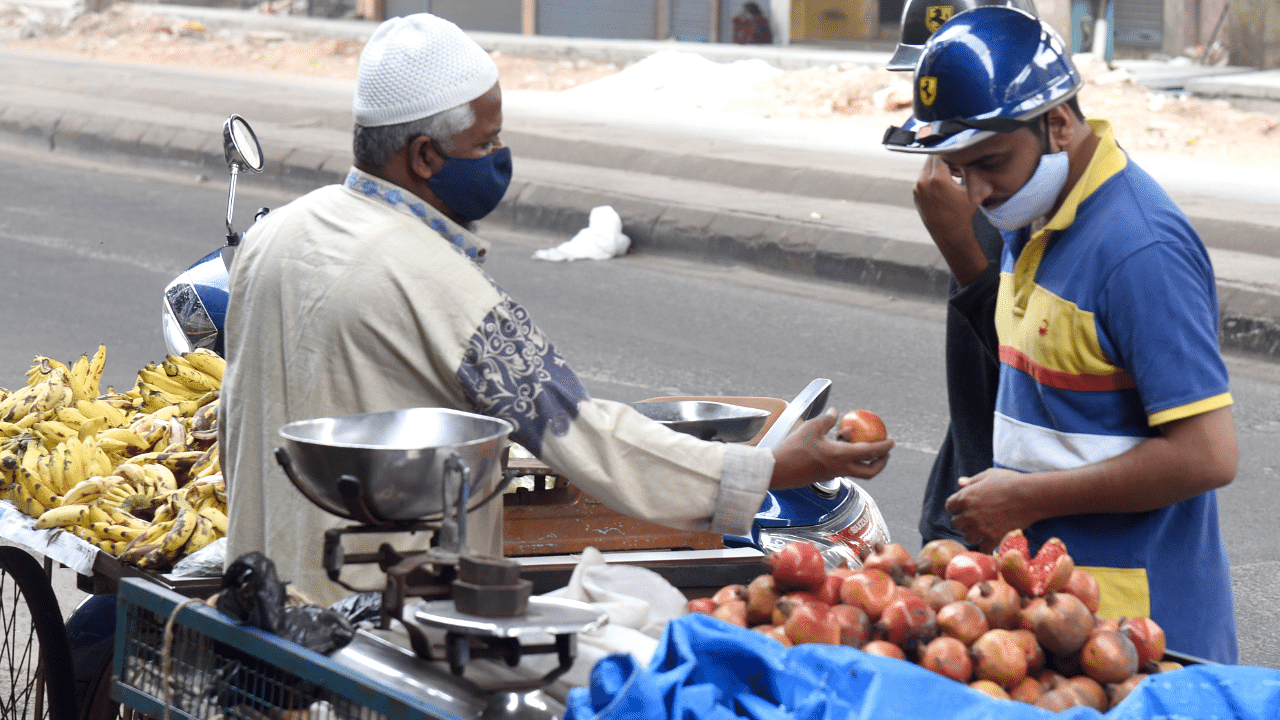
861	426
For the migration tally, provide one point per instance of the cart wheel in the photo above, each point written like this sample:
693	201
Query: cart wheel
98	704
37	678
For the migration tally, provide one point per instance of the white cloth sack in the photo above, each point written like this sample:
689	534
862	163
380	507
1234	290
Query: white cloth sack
601	239
640	603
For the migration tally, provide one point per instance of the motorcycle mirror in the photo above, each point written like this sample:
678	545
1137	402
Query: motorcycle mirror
243	152
240	146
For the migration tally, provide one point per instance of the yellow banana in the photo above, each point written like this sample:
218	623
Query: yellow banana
127	519
21	497
97	364
54	432
63	516
178	462
146	542
93	426
207	362
38	489
118	533
201	536
206	464
96	514
133	442
189	407
184	374
86	491
100	463
70	415
99	407
206	418
78	379
8	429
160	476
215	516
31	454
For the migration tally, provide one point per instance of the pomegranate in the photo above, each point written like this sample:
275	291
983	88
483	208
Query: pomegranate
762	597
998	657
730	592
1089	692
774	632
971	567
702	605
1000	602
870	590
990	688
861	426
829	591
949	657
1034	576
962	620
732	611
892	558
1084	585
782	609
1148	638
885	648
1101	623
1030	646
812	623
1119	691
944	592
1060	621
855	626
1057	700
920	584
935	555
909	616
797	566
1028	690
1109	656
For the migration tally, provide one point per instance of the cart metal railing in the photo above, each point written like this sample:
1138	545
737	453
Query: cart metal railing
185	660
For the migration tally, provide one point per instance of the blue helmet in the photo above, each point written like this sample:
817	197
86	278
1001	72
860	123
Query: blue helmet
987	70
922	18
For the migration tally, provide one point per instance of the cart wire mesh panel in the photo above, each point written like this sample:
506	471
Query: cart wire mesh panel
220	670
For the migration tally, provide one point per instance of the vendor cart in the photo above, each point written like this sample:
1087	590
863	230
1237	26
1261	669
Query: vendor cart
35	650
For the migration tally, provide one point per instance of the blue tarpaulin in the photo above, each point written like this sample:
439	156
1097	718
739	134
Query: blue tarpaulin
707	669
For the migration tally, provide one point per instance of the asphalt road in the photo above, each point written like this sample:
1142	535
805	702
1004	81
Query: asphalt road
88	251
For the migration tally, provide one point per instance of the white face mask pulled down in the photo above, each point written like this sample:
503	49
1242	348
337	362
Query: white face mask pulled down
1035	198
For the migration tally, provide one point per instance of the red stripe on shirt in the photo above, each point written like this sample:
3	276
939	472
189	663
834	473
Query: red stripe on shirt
1118	380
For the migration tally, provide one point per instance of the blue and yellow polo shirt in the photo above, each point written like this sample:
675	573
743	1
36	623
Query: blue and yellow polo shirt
1108	327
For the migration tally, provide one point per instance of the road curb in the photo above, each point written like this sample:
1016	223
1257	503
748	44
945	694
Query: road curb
1250	316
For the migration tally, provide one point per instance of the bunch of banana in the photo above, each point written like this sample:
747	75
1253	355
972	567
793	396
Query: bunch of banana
141	517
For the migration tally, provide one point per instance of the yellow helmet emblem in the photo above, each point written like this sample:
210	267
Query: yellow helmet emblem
928	89
935	15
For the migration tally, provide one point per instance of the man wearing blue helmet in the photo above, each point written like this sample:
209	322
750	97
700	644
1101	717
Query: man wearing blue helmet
1113	422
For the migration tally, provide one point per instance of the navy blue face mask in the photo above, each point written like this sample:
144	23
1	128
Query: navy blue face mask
473	187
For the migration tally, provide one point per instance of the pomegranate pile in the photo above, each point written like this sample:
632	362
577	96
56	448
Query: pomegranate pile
1009	624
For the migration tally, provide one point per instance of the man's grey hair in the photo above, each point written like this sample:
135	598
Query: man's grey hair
374	146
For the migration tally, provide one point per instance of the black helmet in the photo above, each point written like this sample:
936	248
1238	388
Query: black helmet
922	18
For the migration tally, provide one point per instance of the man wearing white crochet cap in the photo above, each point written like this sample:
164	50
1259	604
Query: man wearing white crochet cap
368	296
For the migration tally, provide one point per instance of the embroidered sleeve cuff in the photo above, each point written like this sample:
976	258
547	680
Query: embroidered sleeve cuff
744	479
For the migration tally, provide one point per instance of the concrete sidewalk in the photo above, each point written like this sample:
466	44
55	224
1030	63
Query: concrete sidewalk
813	198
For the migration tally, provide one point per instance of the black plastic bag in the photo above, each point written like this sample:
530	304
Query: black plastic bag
316	628
360	607
252	593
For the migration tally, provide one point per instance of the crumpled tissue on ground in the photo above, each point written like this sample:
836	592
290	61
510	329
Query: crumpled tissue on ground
600	240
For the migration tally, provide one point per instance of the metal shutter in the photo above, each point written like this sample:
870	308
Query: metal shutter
1139	23
484	15
634	20
691	20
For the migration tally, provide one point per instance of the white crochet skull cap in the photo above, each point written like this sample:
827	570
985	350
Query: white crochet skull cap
415	66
